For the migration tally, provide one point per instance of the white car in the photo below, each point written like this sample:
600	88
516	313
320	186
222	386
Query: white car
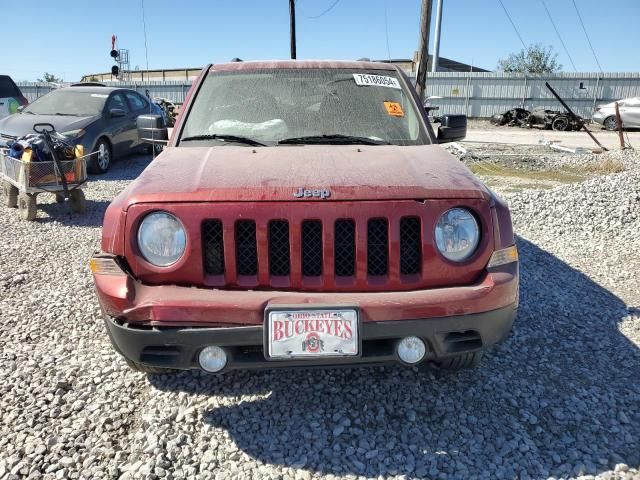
629	108
11	97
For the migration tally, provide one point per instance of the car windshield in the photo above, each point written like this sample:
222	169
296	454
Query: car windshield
68	102
304	106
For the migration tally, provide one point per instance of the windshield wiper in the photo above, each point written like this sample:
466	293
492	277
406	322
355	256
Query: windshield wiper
66	114
335	138
225	138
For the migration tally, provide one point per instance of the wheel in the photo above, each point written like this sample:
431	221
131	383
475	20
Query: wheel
611	123
27	206
10	195
138	367
560	124
154	149
59	198
464	360
78	201
101	158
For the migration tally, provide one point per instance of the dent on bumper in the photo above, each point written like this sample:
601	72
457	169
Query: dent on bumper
169	305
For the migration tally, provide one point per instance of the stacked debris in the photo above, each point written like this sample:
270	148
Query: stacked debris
539	118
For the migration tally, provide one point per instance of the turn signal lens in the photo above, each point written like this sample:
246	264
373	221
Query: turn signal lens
504	256
104	266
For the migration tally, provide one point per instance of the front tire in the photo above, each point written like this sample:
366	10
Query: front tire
101	157
139	367
27	206
611	123
461	361
78	201
10	194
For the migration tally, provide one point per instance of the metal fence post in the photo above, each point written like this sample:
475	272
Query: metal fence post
466	104
524	93
595	93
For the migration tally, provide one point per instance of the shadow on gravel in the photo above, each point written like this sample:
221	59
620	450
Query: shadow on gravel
560	397
61	213
124	168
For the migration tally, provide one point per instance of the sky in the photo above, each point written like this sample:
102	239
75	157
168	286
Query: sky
73	38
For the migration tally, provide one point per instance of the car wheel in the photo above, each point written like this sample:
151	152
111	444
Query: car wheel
10	195
138	367
560	124
464	360
101	158
610	123
27	206
78	201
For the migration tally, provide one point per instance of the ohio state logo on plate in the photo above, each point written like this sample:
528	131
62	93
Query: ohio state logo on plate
312	332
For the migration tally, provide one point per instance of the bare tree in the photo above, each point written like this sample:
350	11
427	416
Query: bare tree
533	59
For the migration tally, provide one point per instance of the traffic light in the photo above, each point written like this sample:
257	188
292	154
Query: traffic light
114	54
115	70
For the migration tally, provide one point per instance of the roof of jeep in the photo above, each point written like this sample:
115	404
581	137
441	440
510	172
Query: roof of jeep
301	64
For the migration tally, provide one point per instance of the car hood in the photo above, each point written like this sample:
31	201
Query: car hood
20	124
237	174
234	173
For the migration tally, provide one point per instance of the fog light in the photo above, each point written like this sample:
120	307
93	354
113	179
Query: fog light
411	349
212	359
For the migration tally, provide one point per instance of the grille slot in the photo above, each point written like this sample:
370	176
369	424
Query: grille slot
279	263
345	248
213	247
377	246
312	248
410	245
246	254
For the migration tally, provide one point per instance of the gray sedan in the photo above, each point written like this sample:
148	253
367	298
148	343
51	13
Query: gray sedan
101	119
629	108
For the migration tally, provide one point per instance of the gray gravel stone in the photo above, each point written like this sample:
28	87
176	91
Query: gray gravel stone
558	399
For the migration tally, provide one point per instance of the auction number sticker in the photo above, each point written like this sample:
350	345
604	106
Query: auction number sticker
365	79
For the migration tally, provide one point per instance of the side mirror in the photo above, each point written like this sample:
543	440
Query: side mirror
152	129
116	113
452	128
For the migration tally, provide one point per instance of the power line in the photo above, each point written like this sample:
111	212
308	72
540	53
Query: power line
327	10
386	30
144	29
559	36
513	24
586	35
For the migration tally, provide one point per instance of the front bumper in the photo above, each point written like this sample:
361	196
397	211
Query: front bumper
178	347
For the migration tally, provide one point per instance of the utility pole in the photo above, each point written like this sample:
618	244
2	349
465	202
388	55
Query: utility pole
423	47
436	40
292	27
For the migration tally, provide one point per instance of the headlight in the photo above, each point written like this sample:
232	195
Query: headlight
457	234
74	133
162	239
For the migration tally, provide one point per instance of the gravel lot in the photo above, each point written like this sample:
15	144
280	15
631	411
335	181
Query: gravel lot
560	398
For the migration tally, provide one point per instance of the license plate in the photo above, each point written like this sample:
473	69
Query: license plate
312	333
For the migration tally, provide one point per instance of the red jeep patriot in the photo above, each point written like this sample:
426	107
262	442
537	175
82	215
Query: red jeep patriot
304	214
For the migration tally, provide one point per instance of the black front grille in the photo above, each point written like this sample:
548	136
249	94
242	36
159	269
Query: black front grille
312	242
410	245
345	248
246	254
213	247
377	246
279	247
312	248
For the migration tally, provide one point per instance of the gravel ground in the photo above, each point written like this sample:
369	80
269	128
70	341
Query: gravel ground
560	398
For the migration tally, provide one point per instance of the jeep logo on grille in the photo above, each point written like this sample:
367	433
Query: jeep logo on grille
320	193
